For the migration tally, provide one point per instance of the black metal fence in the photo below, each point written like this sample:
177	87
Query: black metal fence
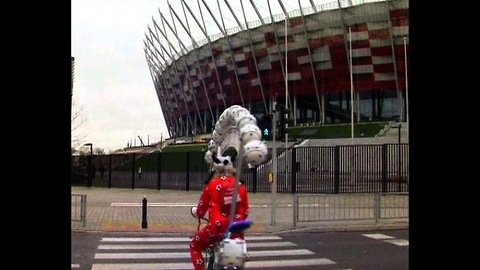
322	169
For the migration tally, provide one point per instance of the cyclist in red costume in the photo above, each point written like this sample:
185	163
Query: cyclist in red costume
243	208
216	199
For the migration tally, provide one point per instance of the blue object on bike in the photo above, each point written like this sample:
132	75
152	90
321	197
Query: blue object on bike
241	225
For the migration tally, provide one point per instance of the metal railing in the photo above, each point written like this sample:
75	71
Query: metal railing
79	208
350	207
373	168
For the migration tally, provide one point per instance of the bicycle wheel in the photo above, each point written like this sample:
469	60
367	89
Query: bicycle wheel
210	258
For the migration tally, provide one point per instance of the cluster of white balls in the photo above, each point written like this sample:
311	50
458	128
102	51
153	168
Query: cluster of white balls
237	127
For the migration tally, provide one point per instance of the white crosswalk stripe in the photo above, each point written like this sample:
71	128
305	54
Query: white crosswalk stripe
387	238
145	253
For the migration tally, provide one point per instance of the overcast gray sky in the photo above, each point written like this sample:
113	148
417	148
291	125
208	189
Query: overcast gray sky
112	86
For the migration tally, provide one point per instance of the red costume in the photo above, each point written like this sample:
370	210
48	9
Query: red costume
243	209
216	199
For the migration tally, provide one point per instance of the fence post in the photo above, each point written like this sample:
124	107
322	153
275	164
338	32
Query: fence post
294	170
255	175
83	211
336	170
384	168
133	171
144	212
187	173
159	170
295	210
376	207
109	171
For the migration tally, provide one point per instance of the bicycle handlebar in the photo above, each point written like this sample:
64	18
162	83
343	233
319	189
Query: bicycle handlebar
234	227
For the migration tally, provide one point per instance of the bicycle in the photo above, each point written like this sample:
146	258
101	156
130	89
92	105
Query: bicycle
227	254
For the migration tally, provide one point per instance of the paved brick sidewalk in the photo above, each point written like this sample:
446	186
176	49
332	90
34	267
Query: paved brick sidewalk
168	211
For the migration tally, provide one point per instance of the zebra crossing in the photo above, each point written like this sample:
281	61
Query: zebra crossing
145	253
387	238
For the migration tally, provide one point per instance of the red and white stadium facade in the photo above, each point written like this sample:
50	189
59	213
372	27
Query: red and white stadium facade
314	45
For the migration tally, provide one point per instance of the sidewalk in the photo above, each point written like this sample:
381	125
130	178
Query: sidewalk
168	211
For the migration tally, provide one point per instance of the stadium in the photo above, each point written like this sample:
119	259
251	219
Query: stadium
338	62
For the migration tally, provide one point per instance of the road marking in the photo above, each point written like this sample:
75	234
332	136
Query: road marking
156	255
154	204
270	244
289	263
388	239
262	237
273	253
142	266
378	236
187	266
145	239
181	255
120	204
180	246
179	239
398	242
141	247
137	253
75	265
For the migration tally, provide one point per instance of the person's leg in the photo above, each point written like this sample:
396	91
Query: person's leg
199	242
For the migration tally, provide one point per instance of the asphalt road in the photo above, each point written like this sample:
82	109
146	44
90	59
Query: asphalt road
369	250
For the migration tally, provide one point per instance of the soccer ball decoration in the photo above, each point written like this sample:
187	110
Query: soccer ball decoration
237	128
255	153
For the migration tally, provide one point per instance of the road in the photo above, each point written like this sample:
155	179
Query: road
372	250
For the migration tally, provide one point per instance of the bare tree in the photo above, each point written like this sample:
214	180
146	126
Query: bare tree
77	120
77	116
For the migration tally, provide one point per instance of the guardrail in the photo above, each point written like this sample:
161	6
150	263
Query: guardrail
348	207
79	208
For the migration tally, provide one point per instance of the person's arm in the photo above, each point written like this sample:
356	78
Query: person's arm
202	206
244	205
247	203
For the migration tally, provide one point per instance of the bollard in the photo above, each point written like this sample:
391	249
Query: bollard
144	212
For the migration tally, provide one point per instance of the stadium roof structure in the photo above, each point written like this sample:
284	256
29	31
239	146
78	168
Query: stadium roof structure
333	62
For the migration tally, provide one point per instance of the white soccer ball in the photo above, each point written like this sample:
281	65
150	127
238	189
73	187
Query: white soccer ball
250	132
245	120
255	152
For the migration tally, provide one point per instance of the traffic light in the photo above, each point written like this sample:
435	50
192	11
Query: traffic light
282	130
265	126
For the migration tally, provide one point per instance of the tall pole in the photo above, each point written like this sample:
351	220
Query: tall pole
274	165
406	91
91	166
286	105
90	171
352	103
351	81
399	157
406	76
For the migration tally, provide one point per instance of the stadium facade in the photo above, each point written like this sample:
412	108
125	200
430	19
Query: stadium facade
343	59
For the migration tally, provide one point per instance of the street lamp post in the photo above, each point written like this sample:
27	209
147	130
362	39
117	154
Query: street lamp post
399	157
273	185
89	180
399	153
